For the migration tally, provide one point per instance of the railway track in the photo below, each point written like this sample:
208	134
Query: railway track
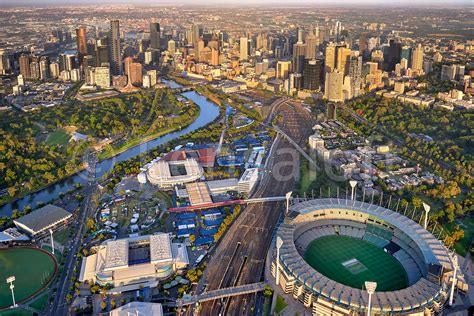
240	256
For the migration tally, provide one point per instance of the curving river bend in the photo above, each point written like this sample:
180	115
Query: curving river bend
208	113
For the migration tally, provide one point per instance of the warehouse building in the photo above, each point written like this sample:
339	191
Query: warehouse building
38	223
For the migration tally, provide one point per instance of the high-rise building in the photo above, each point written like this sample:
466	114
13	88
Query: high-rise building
115	48
101	52
155	35
363	44
355	73
135	74
244	48
312	43
171	47
102	77
417	58
343	58
44	68
34	70
67	62
54	70
330	58
153	77
4	62
394	55
337	31
333	86
299	55
198	48
81	41
406	53
283	69
24	61
214	57
311	74
126	64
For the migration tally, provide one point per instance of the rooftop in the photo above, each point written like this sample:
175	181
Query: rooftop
43	218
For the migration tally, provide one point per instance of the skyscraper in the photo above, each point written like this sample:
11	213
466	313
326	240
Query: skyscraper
283	69
244	48
417	58
44	68
24	61
312	43
311	74
171	47
363	44
394	54
81	40
155	35
4	62
333	86
355	73
115	49
330	58
343	58
299	54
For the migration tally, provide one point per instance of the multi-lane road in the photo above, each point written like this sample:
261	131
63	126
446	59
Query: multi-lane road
240	256
59	305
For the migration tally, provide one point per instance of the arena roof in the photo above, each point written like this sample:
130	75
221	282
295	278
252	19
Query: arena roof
161	174
116	255
42	219
198	193
160	248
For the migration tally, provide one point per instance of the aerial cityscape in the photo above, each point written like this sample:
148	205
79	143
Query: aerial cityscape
236	158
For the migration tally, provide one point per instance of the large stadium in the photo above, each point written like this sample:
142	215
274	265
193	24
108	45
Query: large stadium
331	247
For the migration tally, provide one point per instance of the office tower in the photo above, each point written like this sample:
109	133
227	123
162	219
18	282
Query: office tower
153	74
67	62
355	73
312	43
343	58
205	55
214	57
371	44
437	58
300	34
337	31
244	48
407	54
330	58
75	75
115	49
198	48
88	61
81	41
4	62
417	58
44	68
146	81
394	55
363	45
54	70
101	51
135	74
171	47
102	77
283	69
148	57
311	74
155	35
427	66
299	54
126	64
24	61
20	80
34	70
333	86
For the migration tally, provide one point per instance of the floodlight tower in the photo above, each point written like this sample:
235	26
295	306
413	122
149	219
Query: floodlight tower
279	243
427	210
288	196
10	280
52	241
454	260
370	287
353	185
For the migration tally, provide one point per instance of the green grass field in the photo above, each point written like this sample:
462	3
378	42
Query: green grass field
31	268
466	224
327	255
58	137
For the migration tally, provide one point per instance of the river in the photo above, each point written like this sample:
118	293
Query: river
209	112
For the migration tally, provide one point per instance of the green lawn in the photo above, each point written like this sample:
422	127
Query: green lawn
280	305
327	255
31	267
58	137
15	312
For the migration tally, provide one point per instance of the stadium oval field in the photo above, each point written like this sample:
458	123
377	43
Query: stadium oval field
33	269
330	247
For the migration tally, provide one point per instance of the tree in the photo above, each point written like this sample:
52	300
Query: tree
90	224
267	291
103	305
113	303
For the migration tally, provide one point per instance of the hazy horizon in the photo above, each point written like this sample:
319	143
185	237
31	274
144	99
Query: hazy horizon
40	3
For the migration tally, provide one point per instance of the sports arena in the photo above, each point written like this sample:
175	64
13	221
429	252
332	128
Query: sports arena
331	247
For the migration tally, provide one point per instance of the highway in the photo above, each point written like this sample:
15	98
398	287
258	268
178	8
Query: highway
240	256
59	305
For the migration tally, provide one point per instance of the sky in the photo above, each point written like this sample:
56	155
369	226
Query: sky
236	2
